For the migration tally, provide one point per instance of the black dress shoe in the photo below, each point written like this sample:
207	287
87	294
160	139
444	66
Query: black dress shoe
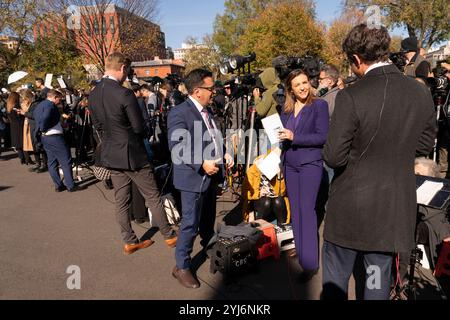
186	278
41	170
76	188
60	188
34	169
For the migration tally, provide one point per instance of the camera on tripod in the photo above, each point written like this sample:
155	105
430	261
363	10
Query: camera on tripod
439	85
399	60
309	63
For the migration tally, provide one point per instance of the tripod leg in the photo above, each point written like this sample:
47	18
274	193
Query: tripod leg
412	266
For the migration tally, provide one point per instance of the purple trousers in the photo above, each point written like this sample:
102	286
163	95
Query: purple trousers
303	184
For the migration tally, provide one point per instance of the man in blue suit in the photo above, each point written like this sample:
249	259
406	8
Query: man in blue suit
197	156
50	131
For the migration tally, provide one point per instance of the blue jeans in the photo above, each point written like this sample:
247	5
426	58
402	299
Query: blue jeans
338	263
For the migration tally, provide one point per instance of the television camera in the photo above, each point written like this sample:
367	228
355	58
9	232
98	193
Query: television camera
309	63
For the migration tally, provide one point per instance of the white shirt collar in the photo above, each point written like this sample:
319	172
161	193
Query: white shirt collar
197	104
110	77
376	65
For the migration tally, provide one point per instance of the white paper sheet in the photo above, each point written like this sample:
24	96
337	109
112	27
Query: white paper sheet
61	83
427	191
48	80
270	166
272	125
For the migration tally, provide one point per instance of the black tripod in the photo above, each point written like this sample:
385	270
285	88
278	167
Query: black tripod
78	163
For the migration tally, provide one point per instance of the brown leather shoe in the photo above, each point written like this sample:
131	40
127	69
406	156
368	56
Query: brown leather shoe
132	248
172	242
186	278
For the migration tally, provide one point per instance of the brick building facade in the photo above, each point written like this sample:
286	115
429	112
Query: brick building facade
102	33
158	68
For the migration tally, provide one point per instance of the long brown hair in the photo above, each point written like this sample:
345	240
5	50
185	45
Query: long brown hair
12	102
26	95
289	105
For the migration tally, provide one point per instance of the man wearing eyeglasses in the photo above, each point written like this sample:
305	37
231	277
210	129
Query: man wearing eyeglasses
197	155
328	88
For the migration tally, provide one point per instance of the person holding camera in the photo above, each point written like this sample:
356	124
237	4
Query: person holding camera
120	125
197	168
378	126
416	65
306	122
265	103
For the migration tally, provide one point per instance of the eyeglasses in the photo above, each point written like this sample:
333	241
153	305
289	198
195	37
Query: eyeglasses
210	89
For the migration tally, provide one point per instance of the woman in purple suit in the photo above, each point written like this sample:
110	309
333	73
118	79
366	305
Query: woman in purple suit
305	120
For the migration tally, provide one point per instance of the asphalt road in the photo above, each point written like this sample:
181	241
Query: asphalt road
45	236
43	233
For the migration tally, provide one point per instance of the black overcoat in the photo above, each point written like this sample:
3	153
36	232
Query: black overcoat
378	127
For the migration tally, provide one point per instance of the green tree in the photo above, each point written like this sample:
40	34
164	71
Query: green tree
283	29
202	55
50	55
428	20
335	36
231	25
16	20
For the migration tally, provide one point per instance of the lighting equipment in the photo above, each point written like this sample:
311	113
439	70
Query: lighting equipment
237	62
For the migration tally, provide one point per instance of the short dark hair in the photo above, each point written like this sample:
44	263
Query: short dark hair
54	94
40	80
331	71
148	87
196	78
370	44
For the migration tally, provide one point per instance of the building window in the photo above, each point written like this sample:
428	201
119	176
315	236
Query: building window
96	30
147	72
112	25
87	23
156	71
104	25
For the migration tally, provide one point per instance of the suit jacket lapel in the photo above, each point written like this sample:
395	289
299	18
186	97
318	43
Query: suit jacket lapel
194	110
304	115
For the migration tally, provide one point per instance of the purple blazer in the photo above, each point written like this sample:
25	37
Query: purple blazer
310	135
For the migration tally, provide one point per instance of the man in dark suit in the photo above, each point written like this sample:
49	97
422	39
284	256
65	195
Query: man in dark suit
378	126
50	132
118	119
197	156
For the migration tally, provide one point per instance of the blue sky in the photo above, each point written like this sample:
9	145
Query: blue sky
180	19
